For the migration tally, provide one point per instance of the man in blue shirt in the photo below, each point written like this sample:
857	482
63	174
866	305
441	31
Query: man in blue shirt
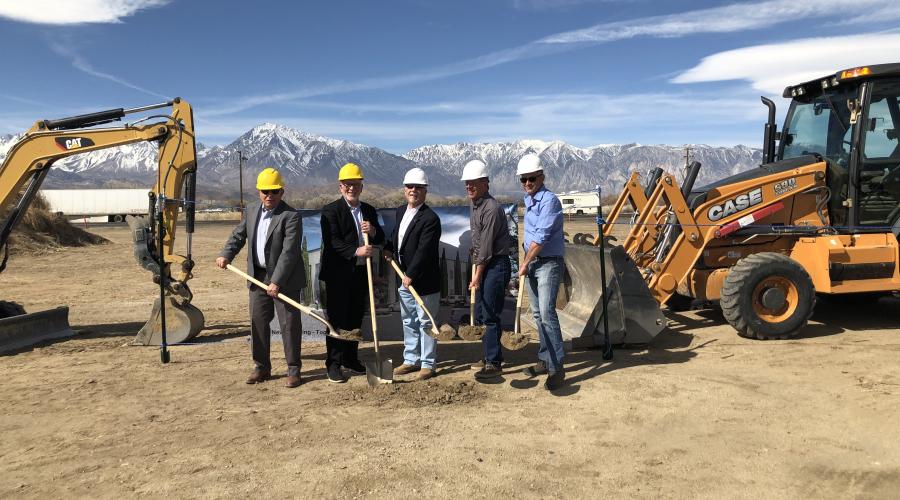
543	267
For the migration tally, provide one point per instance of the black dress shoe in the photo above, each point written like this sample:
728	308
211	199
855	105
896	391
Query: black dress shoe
336	375
356	368
538	368
555	380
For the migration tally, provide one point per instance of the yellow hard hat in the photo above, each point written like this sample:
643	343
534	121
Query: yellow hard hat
269	178
350	172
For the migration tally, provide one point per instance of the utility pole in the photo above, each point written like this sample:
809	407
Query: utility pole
241	159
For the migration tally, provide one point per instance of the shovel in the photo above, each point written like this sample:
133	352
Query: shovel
446	331
470	331
382	370
515	339
332	331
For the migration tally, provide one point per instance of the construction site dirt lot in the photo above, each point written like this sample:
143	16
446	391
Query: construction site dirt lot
700	413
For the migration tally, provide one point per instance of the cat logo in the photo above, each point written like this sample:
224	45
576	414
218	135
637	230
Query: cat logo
733	206
70	143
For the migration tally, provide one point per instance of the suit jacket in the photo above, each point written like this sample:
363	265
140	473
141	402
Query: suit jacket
340	240
418	254
284	262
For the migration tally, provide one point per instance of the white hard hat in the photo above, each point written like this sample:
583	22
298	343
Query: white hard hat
475	169
529	163
415	176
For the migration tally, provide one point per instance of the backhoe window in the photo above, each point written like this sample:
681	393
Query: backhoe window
879	176
821	126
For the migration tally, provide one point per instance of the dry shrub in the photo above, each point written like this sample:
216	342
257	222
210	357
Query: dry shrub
41	231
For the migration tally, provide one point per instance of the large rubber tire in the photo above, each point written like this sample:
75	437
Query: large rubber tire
742	296
10	309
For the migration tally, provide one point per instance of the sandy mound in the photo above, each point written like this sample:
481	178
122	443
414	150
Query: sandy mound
401	395
40	231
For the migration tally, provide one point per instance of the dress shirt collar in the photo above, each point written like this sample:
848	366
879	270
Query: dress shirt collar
531	200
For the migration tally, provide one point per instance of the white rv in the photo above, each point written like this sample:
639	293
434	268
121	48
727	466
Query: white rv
577	203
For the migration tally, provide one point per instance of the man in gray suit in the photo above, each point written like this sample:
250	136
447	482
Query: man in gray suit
274	231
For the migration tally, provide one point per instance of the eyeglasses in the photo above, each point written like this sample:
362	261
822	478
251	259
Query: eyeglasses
532	178
415	186
273	192
353	185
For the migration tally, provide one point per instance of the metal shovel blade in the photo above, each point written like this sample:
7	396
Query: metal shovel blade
380	371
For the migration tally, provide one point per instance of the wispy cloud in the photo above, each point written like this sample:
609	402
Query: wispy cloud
729	18
772	67
580	119
83	65
59	12
20	100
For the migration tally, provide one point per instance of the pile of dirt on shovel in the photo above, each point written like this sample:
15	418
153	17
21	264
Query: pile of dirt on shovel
42	231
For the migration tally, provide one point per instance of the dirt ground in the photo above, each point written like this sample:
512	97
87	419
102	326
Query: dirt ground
701	413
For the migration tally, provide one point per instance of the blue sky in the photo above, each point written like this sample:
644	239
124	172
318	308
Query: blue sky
405	73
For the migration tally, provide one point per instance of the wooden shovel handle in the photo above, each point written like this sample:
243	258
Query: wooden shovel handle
413	292
519	303
472	301
371	295
282	296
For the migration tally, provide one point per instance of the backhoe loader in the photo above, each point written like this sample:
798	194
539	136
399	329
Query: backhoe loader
821	215
25	168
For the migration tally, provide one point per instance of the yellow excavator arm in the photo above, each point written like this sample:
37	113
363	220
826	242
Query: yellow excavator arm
28	162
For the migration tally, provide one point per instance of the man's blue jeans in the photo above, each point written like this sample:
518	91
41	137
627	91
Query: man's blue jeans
542	283
418	346
490	300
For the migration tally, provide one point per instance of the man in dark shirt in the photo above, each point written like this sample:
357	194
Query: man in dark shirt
490	251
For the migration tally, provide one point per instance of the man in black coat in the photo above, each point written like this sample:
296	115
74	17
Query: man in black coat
343	268
274	232
416	238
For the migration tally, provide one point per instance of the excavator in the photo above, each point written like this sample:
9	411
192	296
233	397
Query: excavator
173	318
819	217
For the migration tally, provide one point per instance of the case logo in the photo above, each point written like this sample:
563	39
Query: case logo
735	205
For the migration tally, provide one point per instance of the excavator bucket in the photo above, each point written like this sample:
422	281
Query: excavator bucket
23	330
183	322
634	316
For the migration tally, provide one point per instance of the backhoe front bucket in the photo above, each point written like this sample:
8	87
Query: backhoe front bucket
634	316
26	330
183	322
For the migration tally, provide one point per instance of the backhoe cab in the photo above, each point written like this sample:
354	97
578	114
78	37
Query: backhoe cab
26	166
820	215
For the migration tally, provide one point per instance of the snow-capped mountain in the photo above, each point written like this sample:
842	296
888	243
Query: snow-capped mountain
310	160
571	168
307	160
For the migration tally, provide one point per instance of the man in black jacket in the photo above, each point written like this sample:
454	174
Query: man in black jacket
274	231
343	268
416	237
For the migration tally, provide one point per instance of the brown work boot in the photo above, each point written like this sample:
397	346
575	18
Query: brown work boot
292	381
488	371
425	374
258	377
404	369
479	365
